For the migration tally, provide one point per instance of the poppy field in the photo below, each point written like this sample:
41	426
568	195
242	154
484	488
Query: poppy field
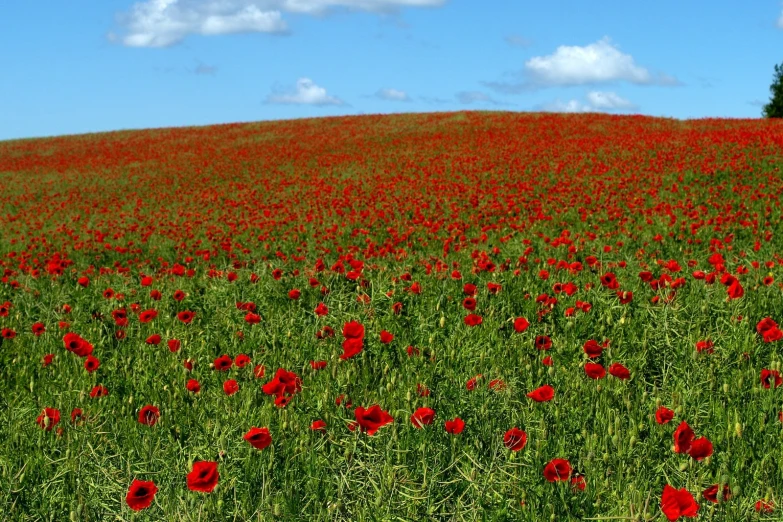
448	316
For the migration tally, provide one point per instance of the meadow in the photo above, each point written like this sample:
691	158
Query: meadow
448	316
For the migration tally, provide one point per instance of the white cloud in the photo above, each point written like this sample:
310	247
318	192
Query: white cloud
306	93
161	23
393	95
608	101
596	63
596	101
599	62
569	106
780	21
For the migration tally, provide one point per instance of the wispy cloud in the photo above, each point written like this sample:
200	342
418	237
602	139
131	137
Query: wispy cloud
161	23
470	97
595	101
516	40
393	95
433	100
305	93
203	69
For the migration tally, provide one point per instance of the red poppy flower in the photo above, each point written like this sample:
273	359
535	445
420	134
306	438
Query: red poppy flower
259	370
294	294
578	483
351	347
496	385
609	280
543	342
422	417
230	387
99	390
663	415
676	503
372	418
770	378
38	328
764	506
454	426
386	337
193	386
318	365
222	363
700	449
469	303
153	339
178	295
557	469
48	418
766	325
595	371
473	320
241	360
147	315
47	359
735	290
155	295
76	414
711	493
259	438
186	316
521	324
321	310
547	361
543	394
515	439
324	332
84	282
705	346
397	308
91	363
318	425
593	349
149	415
283	385
203	477
353	330
251	318
471	384
683	438
173	345
619	371
140	494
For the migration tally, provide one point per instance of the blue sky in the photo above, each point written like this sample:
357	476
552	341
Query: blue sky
87	65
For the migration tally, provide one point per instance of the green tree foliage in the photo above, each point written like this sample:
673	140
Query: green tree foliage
774	109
